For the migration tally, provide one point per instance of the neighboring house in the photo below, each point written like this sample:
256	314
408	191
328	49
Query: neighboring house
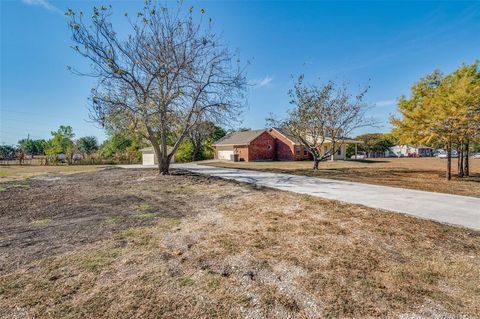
341	153
412	151
149	157
270	144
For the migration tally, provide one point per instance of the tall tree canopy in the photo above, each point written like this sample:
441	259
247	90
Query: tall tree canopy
374	143
170	72
442	109
31	147
87	145
61	143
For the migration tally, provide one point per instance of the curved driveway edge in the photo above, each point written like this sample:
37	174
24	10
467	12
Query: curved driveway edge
446	208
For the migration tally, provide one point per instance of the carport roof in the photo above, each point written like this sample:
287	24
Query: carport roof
239	138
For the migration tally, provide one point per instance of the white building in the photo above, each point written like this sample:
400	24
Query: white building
149	157
412	151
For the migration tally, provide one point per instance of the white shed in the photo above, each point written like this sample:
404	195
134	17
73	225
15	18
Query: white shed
149	158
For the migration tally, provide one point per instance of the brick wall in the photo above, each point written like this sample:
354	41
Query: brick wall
286	150
271	145
284	147
262	148
242	151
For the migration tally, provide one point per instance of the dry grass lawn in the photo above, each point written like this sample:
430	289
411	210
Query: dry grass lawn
187	246
9	173
417	173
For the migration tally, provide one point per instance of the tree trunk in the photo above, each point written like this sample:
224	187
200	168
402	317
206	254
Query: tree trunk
460	159
316	161
449	161
466	164
164	166
197	150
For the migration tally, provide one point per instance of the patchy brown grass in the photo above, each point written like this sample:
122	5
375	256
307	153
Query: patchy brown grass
226	250
426	174
9	173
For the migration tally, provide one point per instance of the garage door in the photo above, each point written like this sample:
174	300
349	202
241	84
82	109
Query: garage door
148	159
225	155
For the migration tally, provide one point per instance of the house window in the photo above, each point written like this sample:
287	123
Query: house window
339	151
297	151
305	152
269	147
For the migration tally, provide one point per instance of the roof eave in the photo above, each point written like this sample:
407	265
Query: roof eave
288	138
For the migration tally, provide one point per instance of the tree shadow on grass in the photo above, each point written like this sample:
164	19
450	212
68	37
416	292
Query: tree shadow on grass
367	161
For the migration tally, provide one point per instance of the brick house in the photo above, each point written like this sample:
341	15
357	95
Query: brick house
256	145
270	144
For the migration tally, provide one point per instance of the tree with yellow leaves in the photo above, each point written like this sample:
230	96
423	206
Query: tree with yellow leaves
442	109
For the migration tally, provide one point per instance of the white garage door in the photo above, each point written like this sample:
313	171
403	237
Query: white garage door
225	155
148	159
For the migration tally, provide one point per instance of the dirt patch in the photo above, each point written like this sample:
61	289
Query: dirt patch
12	173
57	213
130	243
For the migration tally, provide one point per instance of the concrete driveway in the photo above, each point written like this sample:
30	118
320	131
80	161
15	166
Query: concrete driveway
451	209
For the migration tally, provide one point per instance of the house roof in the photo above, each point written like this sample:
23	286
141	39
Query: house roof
239	138
296	141
287	134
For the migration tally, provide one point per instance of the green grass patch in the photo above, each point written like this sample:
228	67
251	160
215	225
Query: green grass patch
97	260
186	281
114	220
146	215
2	188
44	221
213	281
143	207
4	173
131	232
145	211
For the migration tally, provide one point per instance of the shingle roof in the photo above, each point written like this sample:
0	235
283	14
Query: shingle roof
287	134
296	141
239	138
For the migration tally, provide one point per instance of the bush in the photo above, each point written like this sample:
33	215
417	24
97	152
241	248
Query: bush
184	152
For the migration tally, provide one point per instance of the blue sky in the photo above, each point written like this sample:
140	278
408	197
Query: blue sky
385	44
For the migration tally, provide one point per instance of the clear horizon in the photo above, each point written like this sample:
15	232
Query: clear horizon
387	45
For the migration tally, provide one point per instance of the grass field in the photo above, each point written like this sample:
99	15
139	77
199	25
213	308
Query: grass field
417	173
132	244
10	173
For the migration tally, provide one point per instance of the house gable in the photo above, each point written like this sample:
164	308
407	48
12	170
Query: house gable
262	148
287	148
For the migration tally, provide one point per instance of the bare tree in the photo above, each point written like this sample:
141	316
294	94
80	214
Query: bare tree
323	115
170	72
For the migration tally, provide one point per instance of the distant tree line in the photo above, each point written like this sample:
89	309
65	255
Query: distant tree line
63	147
374	144
119	147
